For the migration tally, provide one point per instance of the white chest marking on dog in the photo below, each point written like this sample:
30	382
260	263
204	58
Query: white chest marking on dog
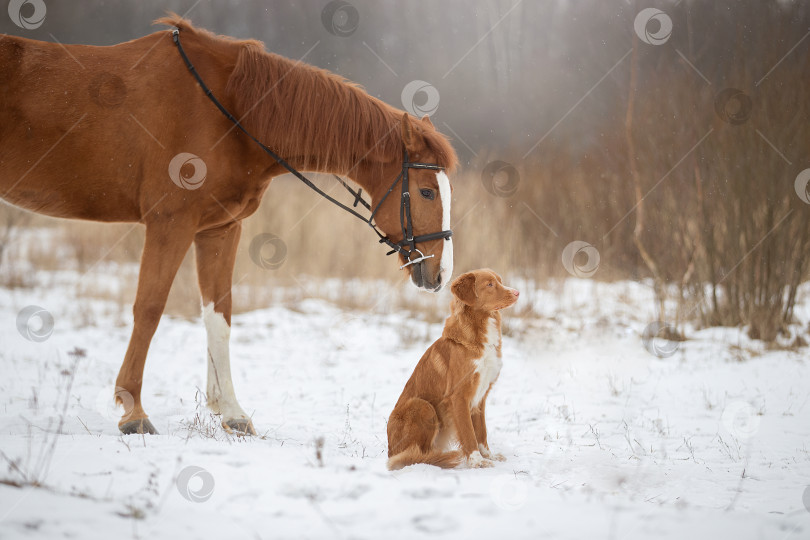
445	195
489	365
221	396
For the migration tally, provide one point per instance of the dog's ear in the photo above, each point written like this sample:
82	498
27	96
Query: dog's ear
463	288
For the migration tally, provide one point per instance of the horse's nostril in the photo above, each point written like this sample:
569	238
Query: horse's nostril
439	279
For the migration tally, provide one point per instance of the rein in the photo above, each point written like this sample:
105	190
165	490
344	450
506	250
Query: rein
406	222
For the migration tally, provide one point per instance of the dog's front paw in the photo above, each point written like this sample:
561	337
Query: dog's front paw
489	455
477	461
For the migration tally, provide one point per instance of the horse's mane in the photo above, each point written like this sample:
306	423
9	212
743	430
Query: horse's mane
331	118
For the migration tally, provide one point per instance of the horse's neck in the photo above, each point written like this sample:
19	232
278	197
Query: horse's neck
366	164
363	166
315	120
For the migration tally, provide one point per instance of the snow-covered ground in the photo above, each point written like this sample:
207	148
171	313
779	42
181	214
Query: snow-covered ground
602	439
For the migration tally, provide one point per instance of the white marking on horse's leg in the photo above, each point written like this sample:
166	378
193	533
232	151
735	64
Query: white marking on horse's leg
446	264
221	396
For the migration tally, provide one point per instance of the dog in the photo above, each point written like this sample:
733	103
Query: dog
443	401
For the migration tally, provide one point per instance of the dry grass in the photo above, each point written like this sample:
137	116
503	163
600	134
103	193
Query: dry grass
322	242
519	236
32	469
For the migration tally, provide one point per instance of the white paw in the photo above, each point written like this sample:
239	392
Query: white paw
477	461
489	455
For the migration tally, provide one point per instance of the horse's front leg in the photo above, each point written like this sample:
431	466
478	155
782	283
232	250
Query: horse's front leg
164	248
216	254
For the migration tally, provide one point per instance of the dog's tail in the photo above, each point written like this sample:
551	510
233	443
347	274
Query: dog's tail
413	455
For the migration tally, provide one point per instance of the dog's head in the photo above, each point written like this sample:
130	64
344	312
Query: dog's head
483	290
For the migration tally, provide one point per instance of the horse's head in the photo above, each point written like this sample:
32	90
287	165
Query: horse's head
429	198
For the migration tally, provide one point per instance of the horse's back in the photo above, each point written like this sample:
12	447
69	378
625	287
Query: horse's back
48	85
68	144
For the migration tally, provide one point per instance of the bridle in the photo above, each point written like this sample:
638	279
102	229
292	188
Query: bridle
407	246
405	220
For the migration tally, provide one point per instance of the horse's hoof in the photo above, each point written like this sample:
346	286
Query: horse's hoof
138	427
239	426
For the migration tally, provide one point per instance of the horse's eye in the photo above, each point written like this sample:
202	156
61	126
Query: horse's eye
428	194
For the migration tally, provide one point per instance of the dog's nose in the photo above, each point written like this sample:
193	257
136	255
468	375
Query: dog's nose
516	292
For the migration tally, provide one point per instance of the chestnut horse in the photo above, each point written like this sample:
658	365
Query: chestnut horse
125	134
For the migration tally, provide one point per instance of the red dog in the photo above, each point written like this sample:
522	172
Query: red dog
445	397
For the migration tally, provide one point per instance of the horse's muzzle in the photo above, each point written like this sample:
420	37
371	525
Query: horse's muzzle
420	276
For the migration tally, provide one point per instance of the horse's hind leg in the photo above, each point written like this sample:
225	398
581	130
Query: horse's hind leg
165	246
216	254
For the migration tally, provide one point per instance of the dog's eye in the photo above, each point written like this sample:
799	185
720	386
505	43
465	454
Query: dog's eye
489	284
428	194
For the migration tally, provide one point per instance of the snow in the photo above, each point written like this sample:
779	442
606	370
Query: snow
602	439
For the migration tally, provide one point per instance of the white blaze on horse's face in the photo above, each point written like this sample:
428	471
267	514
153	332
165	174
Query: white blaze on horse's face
446	264
438	267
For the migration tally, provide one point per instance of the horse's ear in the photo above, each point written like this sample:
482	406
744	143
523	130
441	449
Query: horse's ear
411	137
463	288
426	120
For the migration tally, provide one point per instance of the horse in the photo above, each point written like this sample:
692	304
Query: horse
124	133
